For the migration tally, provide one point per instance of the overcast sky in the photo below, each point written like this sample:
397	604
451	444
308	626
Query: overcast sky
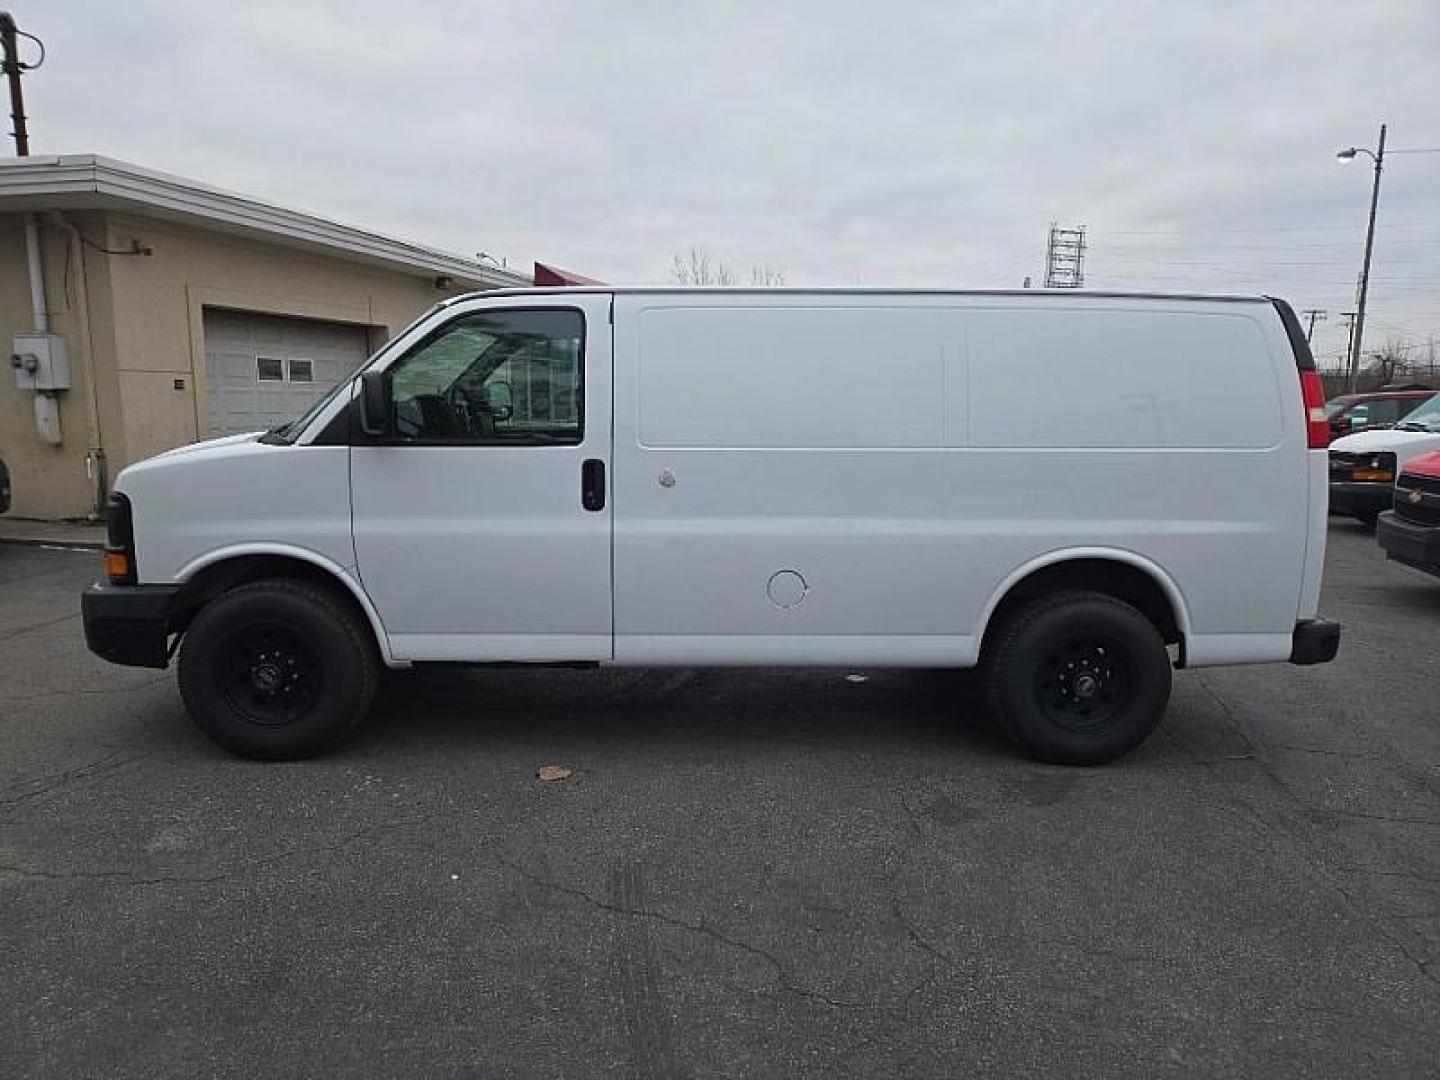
843	143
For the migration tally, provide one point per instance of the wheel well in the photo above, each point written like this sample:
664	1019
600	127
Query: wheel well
222	576
1120	580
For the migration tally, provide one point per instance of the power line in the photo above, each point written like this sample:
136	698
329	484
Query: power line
1388	223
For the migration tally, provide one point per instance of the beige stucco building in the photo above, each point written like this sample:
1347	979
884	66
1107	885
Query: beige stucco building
184	312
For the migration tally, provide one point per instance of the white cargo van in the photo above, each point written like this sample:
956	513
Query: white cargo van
1075	491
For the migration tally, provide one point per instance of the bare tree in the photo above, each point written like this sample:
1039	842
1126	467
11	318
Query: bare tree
699	267
1389	364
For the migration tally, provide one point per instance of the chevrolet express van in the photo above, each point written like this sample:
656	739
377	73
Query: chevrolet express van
1076	492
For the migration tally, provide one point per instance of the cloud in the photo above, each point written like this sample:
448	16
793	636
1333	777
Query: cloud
908	144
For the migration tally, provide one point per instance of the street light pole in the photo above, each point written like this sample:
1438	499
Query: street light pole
1358	341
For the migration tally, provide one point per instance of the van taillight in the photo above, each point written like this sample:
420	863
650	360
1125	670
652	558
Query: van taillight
1312	391
1317	428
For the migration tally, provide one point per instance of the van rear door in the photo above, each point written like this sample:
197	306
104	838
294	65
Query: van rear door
482	520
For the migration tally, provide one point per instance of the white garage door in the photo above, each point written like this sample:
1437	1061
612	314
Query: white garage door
265	370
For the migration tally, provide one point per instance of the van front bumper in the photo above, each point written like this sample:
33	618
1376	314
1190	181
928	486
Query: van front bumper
128	624
1410	543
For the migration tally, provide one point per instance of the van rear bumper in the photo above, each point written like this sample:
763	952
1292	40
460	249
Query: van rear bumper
128	624
1314	641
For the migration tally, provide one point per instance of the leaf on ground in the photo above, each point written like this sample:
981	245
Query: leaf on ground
554	772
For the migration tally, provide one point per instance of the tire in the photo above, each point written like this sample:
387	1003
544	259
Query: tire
278	669
1369	518
1077	678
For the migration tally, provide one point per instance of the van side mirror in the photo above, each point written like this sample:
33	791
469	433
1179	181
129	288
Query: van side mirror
374	403
1359	417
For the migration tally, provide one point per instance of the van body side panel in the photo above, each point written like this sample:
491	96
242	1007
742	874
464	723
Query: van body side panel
900	457
481	551
756	438
236	493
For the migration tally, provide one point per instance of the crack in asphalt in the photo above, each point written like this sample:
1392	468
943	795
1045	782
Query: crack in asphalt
113	875
123	688
900	1018
130	878
1315	860
782	980
1396	818
95	770
39	626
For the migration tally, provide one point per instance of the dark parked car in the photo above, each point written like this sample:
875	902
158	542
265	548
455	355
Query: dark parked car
4	487
1410	533
1379	408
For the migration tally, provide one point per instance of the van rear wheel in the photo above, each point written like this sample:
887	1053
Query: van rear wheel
1077	678
277	669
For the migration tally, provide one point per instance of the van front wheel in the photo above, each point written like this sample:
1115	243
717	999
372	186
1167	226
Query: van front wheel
277	669
1077	678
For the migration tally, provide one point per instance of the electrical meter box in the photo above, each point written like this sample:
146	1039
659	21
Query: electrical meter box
40	362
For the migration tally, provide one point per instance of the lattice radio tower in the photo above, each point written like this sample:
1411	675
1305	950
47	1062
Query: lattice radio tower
1065	258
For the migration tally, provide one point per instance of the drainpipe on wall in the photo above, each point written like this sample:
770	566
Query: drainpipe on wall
39	312
47	409
95	464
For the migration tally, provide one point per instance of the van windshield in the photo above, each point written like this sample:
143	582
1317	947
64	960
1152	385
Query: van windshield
290	431
1425	418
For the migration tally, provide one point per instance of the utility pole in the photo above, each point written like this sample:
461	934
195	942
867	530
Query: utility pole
1315	315
12	68
1349	317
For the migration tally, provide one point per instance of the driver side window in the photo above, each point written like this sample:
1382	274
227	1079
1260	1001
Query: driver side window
506	377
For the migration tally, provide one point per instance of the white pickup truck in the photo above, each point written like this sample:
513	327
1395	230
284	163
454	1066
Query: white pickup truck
1075	491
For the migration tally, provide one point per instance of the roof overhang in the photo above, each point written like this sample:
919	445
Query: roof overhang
90	182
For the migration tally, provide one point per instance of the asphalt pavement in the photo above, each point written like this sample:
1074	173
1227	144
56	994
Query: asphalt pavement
749	873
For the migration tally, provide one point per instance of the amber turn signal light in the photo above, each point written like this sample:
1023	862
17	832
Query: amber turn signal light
117	566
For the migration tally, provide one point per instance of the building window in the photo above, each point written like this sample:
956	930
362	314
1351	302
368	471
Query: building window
301	370
269	369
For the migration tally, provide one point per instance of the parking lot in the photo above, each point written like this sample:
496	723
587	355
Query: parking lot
750	873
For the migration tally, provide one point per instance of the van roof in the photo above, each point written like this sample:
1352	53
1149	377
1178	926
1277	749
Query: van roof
728	290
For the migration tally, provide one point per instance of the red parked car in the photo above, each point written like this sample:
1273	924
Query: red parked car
1410	533
1378	409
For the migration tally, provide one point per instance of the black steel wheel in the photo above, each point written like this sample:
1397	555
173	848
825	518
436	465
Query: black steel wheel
1083	683
278	669
269	675
1077	678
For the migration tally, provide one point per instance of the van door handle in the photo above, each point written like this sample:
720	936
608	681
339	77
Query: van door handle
592	484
